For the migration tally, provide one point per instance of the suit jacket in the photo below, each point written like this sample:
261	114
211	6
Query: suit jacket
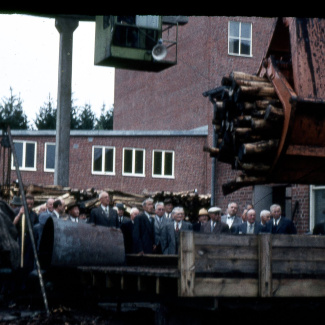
197	226
143	234
127	231
285	226
219	228
242	228
237	221
124	220
159	228
170	238
98	217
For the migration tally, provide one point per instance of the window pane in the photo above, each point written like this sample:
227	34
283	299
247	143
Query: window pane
245	48
234	29
157	160
50	156
138	162
319	206
109	156
19	153
30	155
234	46
246	30
97	164
168	164
127	161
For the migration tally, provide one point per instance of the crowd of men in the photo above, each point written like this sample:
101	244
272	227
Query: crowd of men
155	229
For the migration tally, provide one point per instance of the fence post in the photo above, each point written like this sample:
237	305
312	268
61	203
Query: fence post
265	265
186	264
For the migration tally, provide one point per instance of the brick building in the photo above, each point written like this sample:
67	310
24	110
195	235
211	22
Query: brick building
163	119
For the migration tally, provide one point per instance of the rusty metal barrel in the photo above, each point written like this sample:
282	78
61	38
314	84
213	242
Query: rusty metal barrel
69	244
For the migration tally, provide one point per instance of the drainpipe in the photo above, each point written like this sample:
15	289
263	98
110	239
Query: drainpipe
214	160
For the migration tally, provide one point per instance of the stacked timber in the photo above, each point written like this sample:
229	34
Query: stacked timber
189	200
248	121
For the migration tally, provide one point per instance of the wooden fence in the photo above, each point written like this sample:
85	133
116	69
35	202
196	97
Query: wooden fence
262	265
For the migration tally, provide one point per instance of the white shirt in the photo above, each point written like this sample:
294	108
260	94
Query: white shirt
104	208
56	213
276	222
74	219
230	220
179	225
250	230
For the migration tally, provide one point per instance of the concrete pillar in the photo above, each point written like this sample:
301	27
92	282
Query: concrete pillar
65	27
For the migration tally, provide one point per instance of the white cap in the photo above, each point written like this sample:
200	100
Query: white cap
214	210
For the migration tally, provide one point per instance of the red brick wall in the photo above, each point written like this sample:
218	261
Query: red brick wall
190	164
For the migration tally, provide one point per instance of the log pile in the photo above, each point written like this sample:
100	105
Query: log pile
248	121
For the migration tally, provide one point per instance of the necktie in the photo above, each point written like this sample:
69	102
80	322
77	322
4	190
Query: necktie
177	228
250	228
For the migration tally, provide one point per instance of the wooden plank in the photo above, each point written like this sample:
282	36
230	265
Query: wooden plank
299	254
225	252
298	288
298	241
225	240
229	265
289	267
186	264
265	269
225	287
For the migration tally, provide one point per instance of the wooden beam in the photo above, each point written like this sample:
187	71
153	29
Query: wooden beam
265	265
186	264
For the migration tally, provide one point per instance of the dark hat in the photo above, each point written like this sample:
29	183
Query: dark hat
120	206
16	201
168	201
73	204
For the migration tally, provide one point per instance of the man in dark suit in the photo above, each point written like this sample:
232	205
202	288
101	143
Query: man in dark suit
120	214
279	224
231	218
250	227
144	232
319	229
127	230
202	219
104	215
170	235
168	203
215	225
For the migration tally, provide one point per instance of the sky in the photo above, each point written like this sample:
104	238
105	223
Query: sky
29	59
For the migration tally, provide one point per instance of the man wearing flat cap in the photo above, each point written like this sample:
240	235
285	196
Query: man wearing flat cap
120	214
203	217
215	225
168	203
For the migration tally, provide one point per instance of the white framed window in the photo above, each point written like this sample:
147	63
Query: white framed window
103	160
133	162
239	38
49	157
26	155
317	205
163	164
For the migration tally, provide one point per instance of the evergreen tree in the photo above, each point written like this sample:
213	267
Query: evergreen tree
12	114
74	120
105	120
86	118
46	119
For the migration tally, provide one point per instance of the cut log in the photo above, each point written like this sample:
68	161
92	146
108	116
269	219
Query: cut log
252	168
251	83
237	75
240	182
248	93
214	152
264	149
273	114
